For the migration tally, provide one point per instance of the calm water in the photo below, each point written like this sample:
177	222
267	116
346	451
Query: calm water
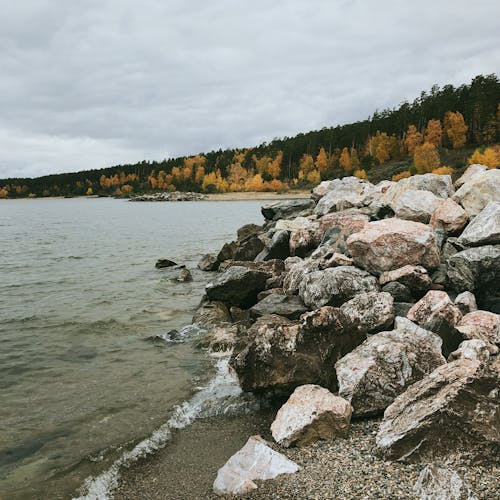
80	301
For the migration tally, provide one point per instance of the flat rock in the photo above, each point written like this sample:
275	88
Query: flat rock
482	325
287	209
289	306
450	414
439	483
485	228
311	413
373	311
237	286
393	243
255	461
475	194
382	367
449	216
417	206
334	286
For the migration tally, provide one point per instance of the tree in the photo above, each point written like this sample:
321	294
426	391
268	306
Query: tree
433	133
314	177
455	129
426	158
321	162
345	160
306	163
413	139
89	192
274	166
355	163
489	157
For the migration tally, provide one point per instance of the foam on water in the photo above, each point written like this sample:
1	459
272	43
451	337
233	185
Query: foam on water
220	396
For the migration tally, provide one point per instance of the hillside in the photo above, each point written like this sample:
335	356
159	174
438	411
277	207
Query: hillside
442	127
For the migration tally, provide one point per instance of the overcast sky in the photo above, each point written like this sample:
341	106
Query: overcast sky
95	83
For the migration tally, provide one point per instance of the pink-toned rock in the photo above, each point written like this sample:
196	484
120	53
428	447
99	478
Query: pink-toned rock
311	413
334	260
302	241
348	221
482	325
415	278
466	302
436	312
449	216
389	244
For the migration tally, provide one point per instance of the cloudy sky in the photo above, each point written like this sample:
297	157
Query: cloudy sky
95	83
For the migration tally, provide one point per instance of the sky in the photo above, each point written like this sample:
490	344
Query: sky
96	83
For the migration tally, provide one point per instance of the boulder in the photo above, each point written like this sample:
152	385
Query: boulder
482	325
321	189
473	171
255	461
344	193
220	338
162	263
296	274
277	248
450	414
289	306
302	241
476	270
439	483
466	302
474	349
347	221
311	413
184	275
373	311
382	367
436	312
417	206
392	243
272	267
478	191
295	224
279	355
334	286
237	286
287	209
246	247
402	308
415	278
249	230
485	228
400	292
211	313
449	216
208	262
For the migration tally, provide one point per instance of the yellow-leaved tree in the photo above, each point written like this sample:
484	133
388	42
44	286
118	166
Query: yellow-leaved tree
433	133
455	129
345	160
489	157
413	139
321	162
426	158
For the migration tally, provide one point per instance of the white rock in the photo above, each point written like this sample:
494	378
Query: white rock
255	461
474	349
417	206
310	414
472	172
466	302
485	228
437	483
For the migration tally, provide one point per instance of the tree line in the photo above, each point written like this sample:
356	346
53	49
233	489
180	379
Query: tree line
416	136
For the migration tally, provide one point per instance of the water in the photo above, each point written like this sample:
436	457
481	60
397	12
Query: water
84	374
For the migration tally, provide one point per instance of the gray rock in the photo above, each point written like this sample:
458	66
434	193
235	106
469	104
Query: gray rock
211	313
184	275
417	206
415	278
466	302
372	311
277	248
478	191
382	367
220	338
485	228
287	209
237	286
289	306
451	414
162	263
438	483
400	292
255	461
334	286
402	308
208	262
475	349
296	274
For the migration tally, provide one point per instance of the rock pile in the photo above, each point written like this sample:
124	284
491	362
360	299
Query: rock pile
170	196
353	301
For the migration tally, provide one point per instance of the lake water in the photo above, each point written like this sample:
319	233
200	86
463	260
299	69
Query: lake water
84	372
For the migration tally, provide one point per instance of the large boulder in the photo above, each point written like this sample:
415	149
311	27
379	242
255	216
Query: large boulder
382	367
439	483
296	274
473	171
311	413
303	240
289	306
334	286
255	461
482	325
276	248
392	243
478	191
449	216
436	312
237	286
211	313
450	414
484	229
220	338
287	209
208	262
373	311
417	206
347	222
344	193
278	354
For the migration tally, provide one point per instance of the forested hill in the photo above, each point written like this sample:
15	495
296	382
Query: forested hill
439	130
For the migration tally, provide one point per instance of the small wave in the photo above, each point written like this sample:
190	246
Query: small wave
221	396
186	334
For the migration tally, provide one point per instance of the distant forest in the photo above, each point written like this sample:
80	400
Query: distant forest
448	124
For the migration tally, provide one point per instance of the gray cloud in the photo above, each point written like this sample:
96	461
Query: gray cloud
96	83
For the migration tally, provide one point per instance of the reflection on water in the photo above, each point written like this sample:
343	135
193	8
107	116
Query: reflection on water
79	299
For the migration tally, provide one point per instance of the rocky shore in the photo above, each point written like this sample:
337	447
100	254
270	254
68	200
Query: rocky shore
368	315
169	196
